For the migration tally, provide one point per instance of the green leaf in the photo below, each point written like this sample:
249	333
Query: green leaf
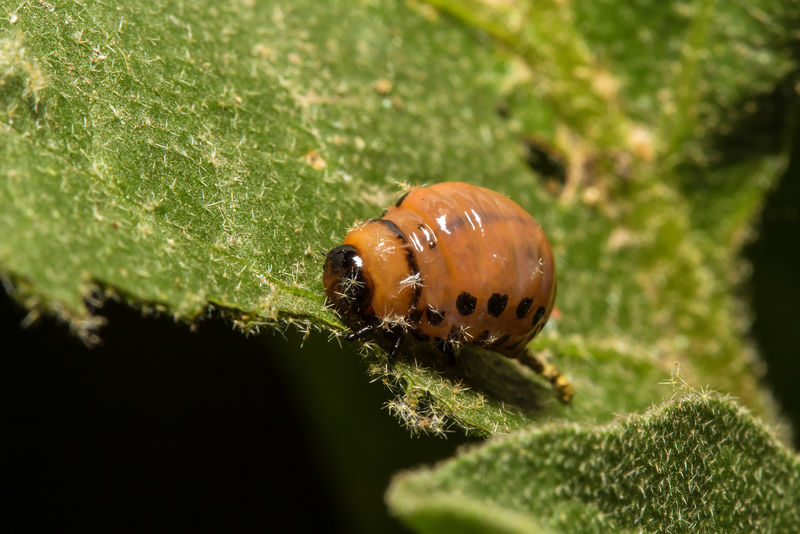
186	155
697	463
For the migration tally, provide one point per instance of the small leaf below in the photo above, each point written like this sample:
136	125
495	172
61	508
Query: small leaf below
697	463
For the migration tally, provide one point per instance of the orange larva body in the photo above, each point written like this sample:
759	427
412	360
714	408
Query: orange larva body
454	263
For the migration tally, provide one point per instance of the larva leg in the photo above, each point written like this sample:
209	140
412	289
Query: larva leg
395	347
549	372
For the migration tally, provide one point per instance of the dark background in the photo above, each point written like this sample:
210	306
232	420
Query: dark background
774	289
163	429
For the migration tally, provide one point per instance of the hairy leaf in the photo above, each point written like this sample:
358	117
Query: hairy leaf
697	463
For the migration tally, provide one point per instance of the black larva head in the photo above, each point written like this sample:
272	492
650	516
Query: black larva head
345	284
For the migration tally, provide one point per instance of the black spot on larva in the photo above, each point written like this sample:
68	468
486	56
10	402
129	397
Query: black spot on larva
415	316
497	303
482	339
397	204
466	303
524	307
538	315
435	317
420	336
500	341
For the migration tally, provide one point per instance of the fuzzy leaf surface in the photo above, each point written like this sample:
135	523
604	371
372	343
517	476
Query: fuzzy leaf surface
699	463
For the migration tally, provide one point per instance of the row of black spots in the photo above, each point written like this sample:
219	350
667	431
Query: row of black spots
466	303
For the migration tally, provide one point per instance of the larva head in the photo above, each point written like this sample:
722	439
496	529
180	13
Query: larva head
371	274
344	281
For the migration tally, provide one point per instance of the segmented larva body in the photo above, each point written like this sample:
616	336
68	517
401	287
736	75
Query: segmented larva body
452	263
